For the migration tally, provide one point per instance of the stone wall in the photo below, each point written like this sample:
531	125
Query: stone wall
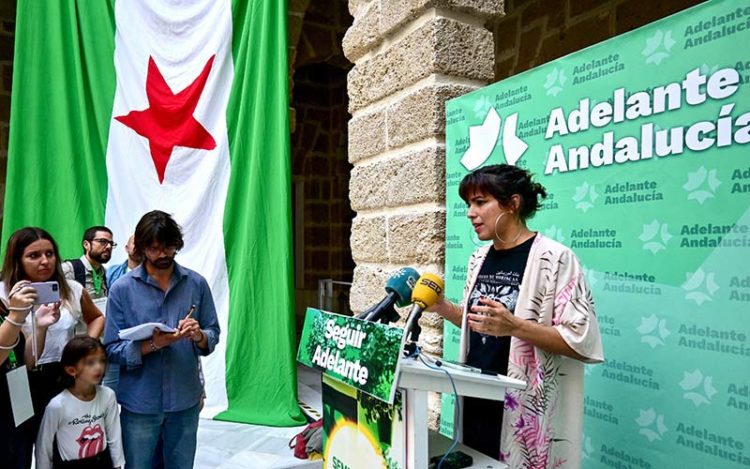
410	57
534	32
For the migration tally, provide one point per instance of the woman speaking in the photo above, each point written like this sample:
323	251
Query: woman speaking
527	313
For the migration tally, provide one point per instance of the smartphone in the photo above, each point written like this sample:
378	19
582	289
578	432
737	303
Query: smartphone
47	292
455	460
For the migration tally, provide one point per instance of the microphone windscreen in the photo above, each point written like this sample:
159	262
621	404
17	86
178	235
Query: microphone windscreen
428	290
402	283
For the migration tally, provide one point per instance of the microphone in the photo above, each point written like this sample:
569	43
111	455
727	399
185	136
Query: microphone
398	288
427	292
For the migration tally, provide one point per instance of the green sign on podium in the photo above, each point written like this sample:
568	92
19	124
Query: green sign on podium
359	353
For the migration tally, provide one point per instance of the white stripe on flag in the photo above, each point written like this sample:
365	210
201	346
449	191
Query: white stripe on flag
181	37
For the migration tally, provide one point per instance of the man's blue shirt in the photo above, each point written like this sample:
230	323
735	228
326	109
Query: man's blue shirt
166	380
115	272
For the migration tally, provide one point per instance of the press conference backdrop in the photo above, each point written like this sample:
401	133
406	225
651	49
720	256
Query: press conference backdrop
642	143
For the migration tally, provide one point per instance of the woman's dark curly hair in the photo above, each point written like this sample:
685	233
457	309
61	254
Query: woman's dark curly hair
502	181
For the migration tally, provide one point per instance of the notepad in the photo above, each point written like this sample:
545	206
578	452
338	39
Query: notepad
144	331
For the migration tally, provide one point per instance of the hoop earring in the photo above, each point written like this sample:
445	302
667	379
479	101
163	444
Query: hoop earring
497	220
518	235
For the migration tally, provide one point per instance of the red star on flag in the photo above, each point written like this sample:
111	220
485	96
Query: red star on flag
169	121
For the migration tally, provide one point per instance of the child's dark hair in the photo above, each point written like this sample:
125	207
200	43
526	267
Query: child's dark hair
502	181
75	350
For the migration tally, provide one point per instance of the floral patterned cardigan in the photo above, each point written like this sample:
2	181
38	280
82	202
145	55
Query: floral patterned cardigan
542	424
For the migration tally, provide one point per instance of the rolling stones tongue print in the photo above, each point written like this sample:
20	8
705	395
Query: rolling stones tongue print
91	441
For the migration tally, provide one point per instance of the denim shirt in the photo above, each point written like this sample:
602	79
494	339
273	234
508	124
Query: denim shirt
166	380
115	272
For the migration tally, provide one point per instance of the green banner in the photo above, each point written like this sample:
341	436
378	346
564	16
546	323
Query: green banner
359	353
641	142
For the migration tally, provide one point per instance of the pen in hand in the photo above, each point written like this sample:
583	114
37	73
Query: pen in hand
190	313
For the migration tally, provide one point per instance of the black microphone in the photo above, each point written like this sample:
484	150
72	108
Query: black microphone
398	288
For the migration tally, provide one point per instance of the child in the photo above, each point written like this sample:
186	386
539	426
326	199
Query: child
81	426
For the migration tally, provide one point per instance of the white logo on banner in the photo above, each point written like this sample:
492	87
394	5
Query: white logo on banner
555	232
585	196
655	236
658	47
701	185
698	388
700	286
555	81
484	138
652	424
653	330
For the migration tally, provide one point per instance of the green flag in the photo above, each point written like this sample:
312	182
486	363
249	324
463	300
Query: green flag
119	108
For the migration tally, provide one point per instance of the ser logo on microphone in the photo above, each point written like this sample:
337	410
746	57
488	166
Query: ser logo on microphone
432	285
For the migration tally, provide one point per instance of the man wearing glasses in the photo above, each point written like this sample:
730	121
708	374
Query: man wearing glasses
160	388
88	270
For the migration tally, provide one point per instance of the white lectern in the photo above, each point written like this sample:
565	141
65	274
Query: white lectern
416	380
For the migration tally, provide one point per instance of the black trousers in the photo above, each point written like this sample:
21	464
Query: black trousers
102	460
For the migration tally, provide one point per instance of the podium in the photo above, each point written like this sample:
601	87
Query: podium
416	380
375	400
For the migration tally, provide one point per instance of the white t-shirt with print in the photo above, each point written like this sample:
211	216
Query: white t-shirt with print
83	428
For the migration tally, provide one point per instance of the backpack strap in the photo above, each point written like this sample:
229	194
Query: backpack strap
79	271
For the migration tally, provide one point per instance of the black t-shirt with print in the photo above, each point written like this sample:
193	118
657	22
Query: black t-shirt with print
499	279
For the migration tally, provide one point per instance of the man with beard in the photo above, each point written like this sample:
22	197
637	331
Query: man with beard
159	388
88	270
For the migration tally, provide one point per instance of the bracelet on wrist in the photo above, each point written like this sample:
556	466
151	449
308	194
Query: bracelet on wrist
153	346
16	308
15	323
201	337
11	347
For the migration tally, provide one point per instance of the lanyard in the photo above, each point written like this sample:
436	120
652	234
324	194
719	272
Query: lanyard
97	281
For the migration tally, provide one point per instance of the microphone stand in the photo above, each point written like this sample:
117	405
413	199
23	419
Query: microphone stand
413	330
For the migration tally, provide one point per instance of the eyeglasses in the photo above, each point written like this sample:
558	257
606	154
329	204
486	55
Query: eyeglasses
155	250
105	242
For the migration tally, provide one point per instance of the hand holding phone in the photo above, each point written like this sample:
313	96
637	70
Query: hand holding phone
47	292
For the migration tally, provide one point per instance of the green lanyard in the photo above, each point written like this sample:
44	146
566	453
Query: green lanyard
12	354
97	281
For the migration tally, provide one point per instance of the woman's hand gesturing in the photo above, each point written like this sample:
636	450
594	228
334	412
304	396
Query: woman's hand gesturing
48	314
492	318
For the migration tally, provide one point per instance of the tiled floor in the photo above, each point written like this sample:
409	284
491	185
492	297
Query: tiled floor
224	445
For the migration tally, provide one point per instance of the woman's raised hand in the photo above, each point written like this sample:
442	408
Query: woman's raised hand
21	298
48	314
